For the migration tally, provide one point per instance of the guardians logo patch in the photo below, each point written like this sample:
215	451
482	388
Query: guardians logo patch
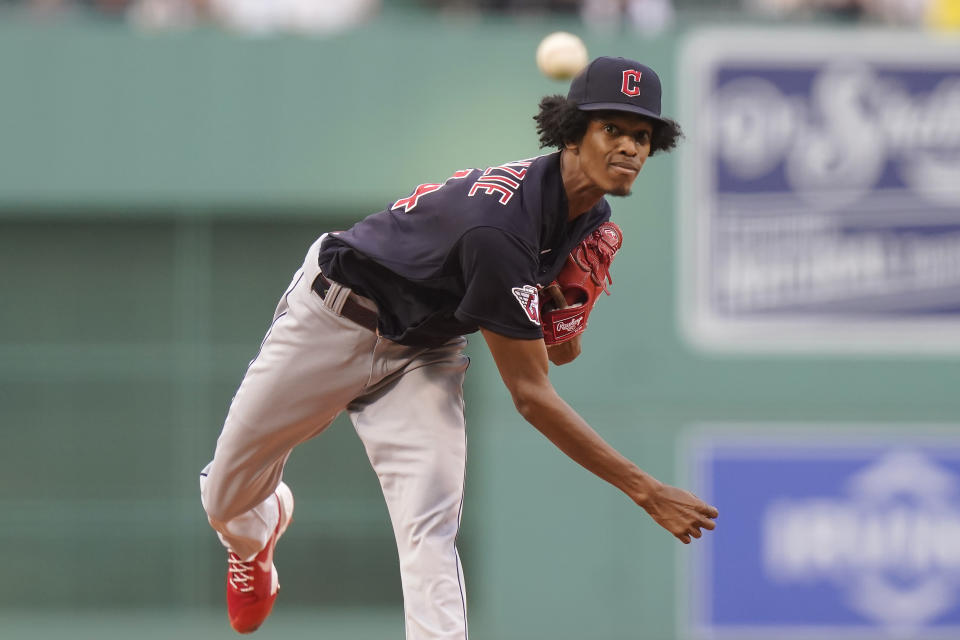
529	299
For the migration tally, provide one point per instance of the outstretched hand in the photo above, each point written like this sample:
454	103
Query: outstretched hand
680	512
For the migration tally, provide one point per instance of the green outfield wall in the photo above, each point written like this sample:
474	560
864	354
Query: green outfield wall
157	191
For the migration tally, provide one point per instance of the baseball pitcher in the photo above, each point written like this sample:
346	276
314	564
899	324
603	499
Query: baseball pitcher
373	324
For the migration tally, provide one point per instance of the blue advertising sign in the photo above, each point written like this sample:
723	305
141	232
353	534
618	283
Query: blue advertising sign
820	191
826	533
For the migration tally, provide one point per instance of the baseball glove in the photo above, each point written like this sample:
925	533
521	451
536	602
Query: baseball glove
566	302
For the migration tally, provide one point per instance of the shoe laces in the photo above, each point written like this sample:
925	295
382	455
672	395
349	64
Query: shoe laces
241	573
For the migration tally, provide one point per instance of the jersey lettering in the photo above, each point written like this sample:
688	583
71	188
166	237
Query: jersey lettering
411	201
518	174
513	184
631	83
489	188
493	182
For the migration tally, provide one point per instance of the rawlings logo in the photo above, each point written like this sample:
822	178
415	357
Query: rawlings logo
568	326
529	299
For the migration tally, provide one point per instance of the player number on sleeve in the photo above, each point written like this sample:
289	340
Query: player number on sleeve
410	202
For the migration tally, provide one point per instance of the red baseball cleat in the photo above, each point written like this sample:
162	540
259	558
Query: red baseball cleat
252	586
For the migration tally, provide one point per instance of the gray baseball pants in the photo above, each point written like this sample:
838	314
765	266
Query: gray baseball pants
406	404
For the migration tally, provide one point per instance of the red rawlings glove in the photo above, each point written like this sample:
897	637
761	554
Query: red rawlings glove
570	298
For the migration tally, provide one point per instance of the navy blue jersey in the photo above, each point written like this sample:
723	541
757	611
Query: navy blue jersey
463	254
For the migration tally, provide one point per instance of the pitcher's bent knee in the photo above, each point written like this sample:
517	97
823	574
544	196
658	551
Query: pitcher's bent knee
218	502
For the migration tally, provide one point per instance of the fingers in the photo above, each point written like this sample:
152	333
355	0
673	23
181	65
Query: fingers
682	513
702	523
557	296
686	536
694	530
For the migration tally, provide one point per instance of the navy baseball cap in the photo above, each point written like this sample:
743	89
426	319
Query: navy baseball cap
617	84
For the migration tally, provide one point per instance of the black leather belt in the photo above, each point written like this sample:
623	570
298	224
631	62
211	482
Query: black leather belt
352	310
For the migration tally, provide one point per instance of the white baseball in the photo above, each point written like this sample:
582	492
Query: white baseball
561	55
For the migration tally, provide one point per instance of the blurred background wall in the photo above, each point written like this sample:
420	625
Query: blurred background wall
164	164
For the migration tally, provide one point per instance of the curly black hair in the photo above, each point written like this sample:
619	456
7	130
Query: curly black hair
559	122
